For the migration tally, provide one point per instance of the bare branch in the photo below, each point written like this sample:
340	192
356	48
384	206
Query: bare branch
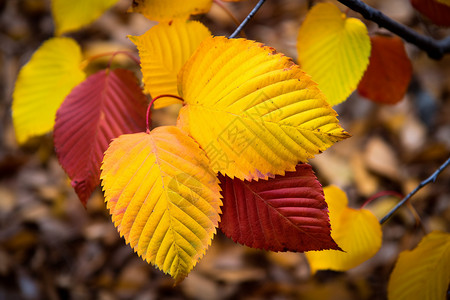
435	49
432	178
250	15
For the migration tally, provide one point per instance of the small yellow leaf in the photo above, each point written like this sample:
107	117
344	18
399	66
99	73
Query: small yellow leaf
356	231
72	15
422	273
42	85
253	111
158	10
334	50
162	196
163	50
446	2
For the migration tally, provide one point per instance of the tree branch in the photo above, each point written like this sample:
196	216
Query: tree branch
435	49
250	15
432	178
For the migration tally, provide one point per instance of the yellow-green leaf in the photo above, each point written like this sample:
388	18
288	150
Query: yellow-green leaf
158	10
356	231
42	85
334	50
163	50
446	2
163	197
253	111
423	273
72	15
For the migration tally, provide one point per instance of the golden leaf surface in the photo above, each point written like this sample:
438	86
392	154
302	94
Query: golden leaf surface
162	196
163	50
424	272
72	15
253	111
42	85
161	11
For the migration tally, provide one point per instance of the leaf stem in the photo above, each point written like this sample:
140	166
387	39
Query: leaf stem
247	19
148	121
435	49
112	54
227	11
381	195
432	178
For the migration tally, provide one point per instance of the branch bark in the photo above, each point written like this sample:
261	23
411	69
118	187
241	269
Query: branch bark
432	178
435	49
249	16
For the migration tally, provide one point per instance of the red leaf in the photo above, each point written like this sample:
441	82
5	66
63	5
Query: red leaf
437	12
389	72
104	106
286	213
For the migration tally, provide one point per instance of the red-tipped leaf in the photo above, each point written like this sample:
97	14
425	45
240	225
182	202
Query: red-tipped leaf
285	213
104	106
438	13
389	72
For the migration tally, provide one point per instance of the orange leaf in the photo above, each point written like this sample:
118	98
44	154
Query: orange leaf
389	73
163	197
437	12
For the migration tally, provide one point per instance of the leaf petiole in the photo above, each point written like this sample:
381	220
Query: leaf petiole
227	11
130	55
381	195
149	109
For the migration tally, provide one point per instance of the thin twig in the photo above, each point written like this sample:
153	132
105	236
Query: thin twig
227	11
435	49
432	178
250	15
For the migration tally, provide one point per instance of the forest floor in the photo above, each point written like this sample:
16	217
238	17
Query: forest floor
51	247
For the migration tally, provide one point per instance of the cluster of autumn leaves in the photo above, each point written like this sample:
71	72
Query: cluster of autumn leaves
249	116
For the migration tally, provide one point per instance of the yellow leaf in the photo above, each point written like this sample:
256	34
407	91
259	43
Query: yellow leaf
446	2
158	10
334	50
356	231
72	15
42	85
423	273
253	111
163	197
163	50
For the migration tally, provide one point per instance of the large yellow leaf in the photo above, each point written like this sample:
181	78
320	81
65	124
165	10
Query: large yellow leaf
163	50
71	15
334	50
356	231
423	273
163	197
253	111
42	85
158	10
